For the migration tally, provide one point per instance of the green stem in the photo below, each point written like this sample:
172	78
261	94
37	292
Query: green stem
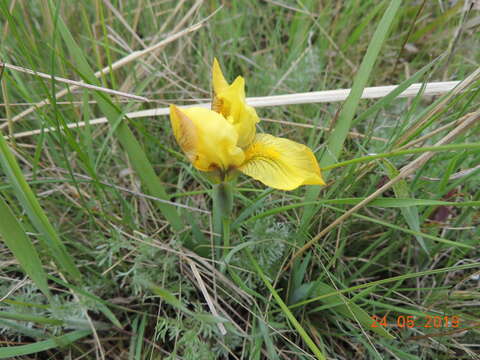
222	196
226	236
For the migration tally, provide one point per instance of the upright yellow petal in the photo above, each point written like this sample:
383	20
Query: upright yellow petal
230	101
281	163
207	138
218	80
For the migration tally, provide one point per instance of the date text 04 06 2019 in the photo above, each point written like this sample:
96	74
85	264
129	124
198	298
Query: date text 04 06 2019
409	321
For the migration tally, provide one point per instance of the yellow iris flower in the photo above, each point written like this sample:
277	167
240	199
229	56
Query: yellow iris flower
224	140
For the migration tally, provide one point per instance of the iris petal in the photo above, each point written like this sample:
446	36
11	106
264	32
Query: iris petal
281	163
230	101
219	82
207	138
184	132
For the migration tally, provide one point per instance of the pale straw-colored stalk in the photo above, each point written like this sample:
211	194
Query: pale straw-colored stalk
77	84
326	96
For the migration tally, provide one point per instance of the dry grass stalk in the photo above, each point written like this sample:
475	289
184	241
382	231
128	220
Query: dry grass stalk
279	100
206	295
116	65
462	86
77	84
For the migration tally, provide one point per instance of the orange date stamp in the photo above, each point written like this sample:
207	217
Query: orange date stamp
409	321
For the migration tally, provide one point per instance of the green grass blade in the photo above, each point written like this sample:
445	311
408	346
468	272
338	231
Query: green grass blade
388	280
349	309
25	330
140	337
409	213
267	339
133	339
14	236
355	36
306	338
397	91
408	231
30	318
64	340
339	134
379	202
32	207
438	23
400	203
130	144
449	147
173	301
169	298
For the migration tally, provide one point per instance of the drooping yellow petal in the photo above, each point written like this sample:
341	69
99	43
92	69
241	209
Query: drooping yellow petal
230	101
281	163
207	138
184	132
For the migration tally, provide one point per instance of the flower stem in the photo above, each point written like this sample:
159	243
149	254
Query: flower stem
222	196
226	236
